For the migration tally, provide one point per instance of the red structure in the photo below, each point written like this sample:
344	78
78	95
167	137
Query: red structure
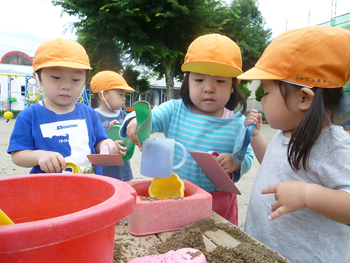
17	58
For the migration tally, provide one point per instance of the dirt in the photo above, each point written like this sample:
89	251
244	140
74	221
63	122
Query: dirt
191	236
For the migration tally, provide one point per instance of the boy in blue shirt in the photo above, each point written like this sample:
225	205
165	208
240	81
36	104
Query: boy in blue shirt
50	133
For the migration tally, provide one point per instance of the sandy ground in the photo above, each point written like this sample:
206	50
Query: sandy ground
8	168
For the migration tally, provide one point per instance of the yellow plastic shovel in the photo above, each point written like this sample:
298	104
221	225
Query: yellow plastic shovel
4	219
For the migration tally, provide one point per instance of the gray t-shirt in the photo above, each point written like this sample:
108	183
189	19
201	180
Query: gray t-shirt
304	235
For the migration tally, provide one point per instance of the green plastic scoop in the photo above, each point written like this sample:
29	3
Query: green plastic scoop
144	120
113	133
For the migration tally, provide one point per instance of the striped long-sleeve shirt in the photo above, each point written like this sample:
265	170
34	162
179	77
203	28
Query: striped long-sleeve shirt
198	133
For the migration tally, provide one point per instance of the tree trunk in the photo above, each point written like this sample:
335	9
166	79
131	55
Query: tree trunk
169	79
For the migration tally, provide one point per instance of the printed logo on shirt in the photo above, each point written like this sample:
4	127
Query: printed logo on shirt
67	126
71	137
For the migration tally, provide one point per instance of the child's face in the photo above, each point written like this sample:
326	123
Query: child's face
209	93
63	86
277	113
115	98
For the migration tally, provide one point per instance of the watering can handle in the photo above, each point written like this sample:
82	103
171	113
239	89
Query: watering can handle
250	130
184	157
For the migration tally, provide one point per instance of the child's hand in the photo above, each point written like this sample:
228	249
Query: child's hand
254	117
227	162
290	197
112	147
121	149
112	123
51	162
131	132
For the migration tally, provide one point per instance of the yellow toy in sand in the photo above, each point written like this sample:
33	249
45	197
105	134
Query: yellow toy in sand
167	188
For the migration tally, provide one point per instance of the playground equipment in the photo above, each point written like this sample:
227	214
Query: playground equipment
8	115
34	93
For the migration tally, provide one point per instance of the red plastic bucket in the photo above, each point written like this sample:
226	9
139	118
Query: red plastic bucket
62	217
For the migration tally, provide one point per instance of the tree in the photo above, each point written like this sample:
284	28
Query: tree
244	24
259	93
246	92
103	53
157	34
136	81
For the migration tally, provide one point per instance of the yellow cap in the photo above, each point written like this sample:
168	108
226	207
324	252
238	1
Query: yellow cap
106	80
215	55
60	53
317	56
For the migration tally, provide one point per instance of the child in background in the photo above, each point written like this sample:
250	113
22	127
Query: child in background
204	120
304	177
110	88
48	134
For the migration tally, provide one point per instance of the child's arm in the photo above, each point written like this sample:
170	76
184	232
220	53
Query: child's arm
50	162
295	195
131	131
257	142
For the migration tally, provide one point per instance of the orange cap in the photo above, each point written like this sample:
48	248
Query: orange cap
215	55
106	80
317	56
60	53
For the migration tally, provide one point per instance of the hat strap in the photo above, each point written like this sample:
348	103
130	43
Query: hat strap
103	96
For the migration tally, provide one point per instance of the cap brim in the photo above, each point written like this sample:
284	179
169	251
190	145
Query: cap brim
211	68
64	64
126	88
256	73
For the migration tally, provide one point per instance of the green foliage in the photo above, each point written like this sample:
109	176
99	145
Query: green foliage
104	53
245	90
259	93
134	78
156	34
243	23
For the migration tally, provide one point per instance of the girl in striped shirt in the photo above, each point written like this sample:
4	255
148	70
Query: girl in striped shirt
204	118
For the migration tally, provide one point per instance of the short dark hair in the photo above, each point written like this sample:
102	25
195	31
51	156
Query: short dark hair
236	99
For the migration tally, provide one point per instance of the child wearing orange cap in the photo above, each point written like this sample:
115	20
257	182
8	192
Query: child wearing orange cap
52	132
110	88
204	118
300	201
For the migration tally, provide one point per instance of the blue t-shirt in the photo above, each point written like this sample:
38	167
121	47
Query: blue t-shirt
74	134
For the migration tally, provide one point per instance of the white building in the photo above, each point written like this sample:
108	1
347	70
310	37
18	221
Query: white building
15	69
252	103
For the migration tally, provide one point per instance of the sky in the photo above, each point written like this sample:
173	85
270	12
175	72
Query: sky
25	24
